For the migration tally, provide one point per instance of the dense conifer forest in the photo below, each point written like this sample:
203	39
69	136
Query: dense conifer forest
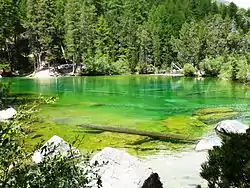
118	37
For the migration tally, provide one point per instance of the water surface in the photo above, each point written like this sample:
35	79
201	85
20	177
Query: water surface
141	102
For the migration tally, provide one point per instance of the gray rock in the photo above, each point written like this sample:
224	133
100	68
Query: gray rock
231	126
208	143
119	169
7	114
55	146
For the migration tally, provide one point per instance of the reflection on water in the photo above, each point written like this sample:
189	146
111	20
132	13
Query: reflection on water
152	97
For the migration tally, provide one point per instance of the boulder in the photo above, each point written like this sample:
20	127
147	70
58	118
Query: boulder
153	181
231	126
119	169
7	114
55	146
208	143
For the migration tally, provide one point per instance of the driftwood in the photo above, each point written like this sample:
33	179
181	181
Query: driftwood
154	135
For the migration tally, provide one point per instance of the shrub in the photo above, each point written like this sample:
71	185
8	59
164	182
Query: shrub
228	69
17	170
189	70
121	66
100	65
243	70
229	165
212	66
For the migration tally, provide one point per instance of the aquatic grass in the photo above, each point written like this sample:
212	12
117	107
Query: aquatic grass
186	126
213	115
150	103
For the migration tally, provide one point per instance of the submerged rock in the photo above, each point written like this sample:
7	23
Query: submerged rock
119	169
55	146
7	114
208	143
231	126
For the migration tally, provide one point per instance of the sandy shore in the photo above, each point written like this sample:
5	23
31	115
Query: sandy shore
43	74
179	170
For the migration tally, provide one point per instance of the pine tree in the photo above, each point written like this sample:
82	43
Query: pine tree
32	30
41	29
46	29
73	30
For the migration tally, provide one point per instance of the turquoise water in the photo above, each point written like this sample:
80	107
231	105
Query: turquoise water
150	97
152	103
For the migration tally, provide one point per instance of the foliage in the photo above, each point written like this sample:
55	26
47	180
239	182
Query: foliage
235	68
100	65
190	44
243	69
16	168
189	70
148	35
228	165
212	66
73	30
4	92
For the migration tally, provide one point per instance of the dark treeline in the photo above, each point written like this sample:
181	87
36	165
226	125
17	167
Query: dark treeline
117	37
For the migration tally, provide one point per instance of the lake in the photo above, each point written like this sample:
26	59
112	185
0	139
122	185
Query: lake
153	103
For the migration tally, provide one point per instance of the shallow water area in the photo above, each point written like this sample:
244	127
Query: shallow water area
152	103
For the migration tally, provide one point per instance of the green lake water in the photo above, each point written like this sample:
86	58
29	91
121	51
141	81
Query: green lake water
153	103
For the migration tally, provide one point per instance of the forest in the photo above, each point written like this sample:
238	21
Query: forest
112	37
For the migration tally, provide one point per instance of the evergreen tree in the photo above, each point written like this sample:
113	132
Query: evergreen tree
46	28
73	30
191	44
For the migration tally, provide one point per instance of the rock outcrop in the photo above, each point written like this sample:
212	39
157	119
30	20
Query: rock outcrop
55	146
231	126
222	129
208	143
119	169
7	114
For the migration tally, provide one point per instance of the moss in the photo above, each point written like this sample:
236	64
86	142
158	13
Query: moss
186	126
92	142
213	115
205	111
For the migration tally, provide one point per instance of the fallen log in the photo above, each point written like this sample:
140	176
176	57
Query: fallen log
154	135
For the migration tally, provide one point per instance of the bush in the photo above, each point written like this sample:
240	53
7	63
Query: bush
235	68
121	66
212	66
229	166
100	65
189	70
144	68
243	70
228	69
17	170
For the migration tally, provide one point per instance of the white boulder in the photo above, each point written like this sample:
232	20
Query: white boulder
7	114
208	143
55	146
119	169
231	126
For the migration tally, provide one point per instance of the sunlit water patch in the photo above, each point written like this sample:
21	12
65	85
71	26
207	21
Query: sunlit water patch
152	103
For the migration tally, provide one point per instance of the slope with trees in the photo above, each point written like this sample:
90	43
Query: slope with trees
118	37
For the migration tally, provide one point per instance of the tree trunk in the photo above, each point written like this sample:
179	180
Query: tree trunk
63	52
39	61
155	135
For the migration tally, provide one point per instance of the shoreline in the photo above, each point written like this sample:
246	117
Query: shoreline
179	169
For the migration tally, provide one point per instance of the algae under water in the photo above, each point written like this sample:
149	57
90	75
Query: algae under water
152	103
